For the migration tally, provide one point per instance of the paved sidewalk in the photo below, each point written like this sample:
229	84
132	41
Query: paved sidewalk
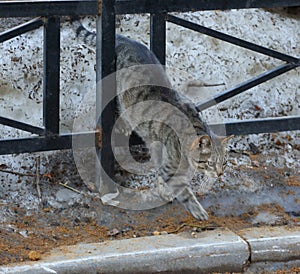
252	251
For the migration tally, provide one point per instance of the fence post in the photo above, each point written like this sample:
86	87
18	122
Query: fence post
51	100
106	65
158	36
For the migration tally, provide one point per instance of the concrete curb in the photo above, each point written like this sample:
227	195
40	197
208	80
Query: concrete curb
273	248
219	250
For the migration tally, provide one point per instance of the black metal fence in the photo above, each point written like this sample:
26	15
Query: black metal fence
48	137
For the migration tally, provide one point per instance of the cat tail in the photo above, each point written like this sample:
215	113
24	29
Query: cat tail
82	33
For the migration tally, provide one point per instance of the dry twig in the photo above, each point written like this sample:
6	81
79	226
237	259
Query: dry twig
202	227
37	175
69	187
17	173
38	160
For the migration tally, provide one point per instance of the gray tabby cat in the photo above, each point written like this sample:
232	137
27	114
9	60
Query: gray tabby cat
204	152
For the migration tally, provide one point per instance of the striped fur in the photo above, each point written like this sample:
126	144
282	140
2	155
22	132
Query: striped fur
206	153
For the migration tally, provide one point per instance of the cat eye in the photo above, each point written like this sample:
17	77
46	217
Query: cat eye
210	163
201	162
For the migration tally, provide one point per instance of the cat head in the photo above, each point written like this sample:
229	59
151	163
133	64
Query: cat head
208	155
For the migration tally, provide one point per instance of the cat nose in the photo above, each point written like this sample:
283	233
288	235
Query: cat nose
220	173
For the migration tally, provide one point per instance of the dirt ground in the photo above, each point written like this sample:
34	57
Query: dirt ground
29	234
26	234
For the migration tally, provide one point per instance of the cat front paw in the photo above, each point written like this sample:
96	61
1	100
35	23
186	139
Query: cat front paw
191	204
199	213
164	191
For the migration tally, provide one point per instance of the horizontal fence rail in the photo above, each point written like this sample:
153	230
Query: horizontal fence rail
89	7
152	6
47	143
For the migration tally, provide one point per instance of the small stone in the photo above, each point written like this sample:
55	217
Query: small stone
155	233
255	163
34	255
113	232
24	233
65	195
254	149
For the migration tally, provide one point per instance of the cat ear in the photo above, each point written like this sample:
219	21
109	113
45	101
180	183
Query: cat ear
195	143
205	141
201	141
224	139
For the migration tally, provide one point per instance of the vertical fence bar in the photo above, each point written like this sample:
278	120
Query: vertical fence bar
158	36
98	172
51	75
106	65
